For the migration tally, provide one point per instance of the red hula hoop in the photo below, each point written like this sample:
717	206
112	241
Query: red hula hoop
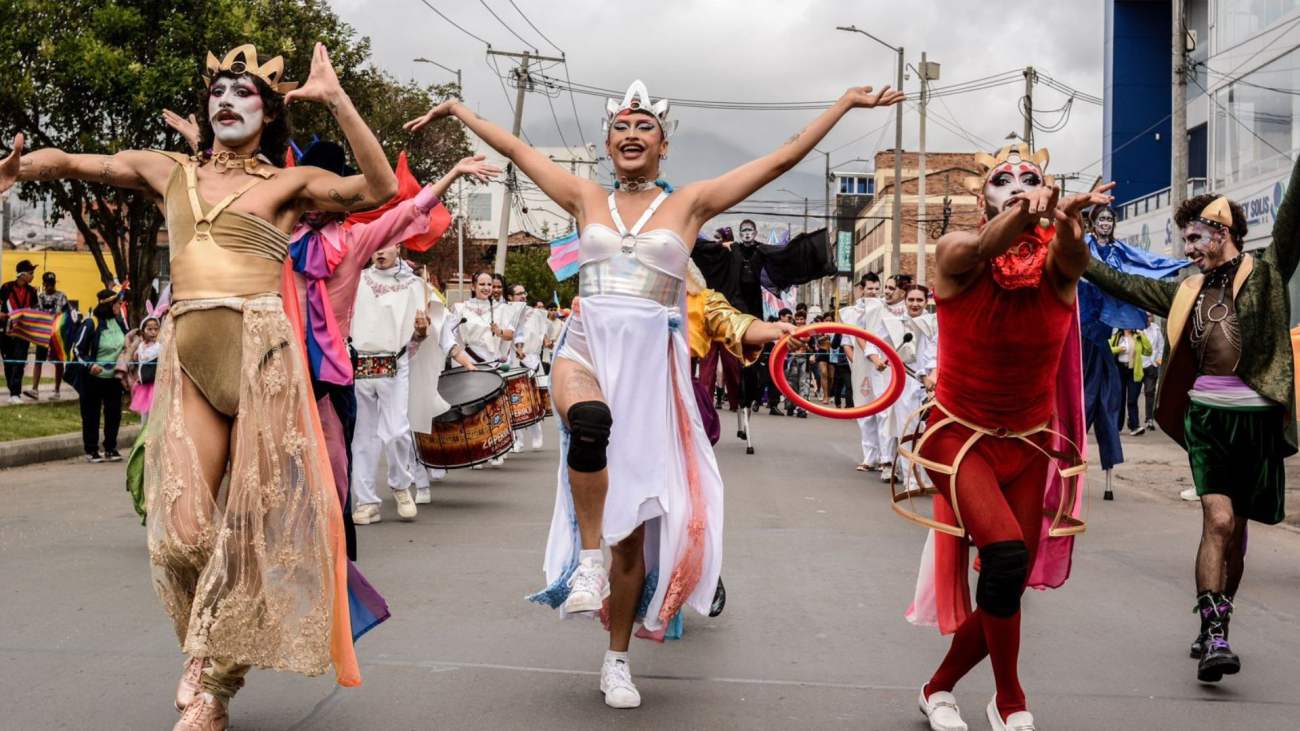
776	367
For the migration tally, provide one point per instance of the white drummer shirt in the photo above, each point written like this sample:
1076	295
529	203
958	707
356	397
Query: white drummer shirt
473	321
384	312
530	333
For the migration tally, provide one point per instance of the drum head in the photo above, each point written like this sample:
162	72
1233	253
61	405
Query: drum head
466	391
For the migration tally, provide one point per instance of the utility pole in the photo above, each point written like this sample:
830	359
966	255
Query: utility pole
805	214
928	72
1178	121
898	173
831	238
459	88
1028	136
573	169
522	81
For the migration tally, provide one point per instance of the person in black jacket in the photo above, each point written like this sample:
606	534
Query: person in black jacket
99	339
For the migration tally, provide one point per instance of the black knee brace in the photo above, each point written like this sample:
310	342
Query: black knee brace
1004	566
589	425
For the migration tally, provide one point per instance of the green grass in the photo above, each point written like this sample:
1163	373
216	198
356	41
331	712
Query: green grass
47	418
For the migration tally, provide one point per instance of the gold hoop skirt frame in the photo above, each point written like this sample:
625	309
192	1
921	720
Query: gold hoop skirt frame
1068	462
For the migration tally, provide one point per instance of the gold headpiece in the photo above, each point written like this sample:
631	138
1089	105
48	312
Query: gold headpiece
1009	154
243	60
1218	213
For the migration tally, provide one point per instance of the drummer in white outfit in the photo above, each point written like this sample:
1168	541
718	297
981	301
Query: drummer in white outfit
389	317
530	336
484	328
428	359
868	375
638	475
914	335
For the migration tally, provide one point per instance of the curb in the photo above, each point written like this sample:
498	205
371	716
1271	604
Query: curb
23	452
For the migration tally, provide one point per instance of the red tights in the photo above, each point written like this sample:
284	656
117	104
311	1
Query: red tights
1000	487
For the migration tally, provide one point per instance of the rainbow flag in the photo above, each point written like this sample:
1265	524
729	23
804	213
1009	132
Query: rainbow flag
64	331
34	326
564	257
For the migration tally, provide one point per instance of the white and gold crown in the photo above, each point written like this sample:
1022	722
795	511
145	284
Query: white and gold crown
637	99
1013	154
243	60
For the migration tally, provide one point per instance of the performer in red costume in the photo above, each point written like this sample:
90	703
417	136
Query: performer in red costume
1005	297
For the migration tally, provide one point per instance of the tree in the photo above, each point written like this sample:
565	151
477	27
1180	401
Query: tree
93	76
527	266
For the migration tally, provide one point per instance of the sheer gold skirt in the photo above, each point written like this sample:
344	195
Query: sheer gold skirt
248	577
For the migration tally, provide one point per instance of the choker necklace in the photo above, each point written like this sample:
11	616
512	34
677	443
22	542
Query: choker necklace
640	184
225	160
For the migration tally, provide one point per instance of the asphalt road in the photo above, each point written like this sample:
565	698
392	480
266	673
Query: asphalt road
819	572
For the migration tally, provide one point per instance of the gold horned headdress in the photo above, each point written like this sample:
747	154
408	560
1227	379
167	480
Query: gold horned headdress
1217	214
243	60
1009	157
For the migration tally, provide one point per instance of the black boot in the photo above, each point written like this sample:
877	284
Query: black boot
1225	607
1217	658
719	599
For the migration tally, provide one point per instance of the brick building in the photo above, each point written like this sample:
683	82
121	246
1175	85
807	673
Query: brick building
946	174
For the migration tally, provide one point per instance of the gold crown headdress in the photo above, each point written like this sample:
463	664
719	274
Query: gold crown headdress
1218	213
243	60
1012	154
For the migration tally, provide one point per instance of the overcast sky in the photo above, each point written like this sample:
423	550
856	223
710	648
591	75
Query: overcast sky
762	51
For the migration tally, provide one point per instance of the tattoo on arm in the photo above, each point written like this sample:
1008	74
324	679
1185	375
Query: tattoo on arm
26	164
338	198
793	138
49	172
480	117
334	108
106	170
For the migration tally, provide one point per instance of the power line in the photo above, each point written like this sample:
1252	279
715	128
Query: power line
1244	126
969	136
455	24
535	28
507	27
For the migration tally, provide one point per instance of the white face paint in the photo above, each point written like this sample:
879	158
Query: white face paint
1016	175
1204	245
235	110
747	234
1105	223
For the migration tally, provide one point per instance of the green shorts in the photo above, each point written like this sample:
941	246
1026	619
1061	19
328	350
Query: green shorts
1237	453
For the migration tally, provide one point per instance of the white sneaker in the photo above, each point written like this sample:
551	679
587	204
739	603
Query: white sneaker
1018	721
537	444
588	587
406	509
366	514
887	473
616	684
519	446
1189	495
437	474
477	467
497	461
423	496
941	709
14	400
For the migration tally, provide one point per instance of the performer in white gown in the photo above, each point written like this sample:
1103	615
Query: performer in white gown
638	475
868	374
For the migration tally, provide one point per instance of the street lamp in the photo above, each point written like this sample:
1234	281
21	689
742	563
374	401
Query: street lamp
459	87
898	151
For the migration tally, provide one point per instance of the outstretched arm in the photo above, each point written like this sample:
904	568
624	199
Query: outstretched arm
558	184
1284	252
712	197
325	191
1153	295
1069	252
471	167
133	169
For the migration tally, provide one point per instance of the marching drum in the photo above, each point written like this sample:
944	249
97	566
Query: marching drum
477	426
544	386
526	405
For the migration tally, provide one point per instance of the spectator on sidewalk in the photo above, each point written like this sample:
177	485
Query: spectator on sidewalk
50	300
1130	348
1151	368
796	368
99	340
18	294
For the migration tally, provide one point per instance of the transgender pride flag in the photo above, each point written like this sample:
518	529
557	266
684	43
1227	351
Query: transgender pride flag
564	257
